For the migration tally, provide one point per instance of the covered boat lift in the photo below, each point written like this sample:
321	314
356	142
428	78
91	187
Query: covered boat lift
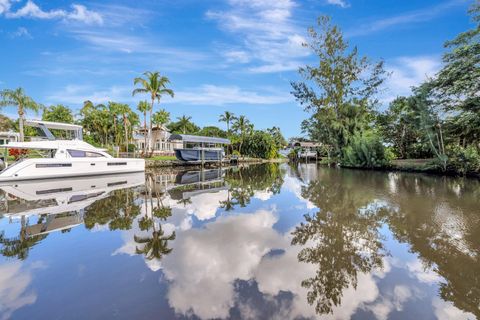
199	148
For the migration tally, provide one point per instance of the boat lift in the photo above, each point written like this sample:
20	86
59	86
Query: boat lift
199	149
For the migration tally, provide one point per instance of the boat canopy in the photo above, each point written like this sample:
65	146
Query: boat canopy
198	139
46	125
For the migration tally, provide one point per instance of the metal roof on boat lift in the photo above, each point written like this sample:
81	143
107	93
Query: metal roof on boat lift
198	139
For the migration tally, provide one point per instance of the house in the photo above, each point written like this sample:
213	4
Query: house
307	149
158	143
10	136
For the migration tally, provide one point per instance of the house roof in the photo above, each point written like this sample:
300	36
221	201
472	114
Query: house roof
198	139
306	144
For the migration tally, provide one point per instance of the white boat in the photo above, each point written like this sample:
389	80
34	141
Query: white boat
64	158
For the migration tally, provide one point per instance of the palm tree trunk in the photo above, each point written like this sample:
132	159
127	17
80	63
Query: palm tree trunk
20	122
125	120
151	127
145	132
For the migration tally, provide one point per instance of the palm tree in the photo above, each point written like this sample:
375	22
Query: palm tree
227	117
183	122
242	125
161	118
155	85
125	110
143	107
23	102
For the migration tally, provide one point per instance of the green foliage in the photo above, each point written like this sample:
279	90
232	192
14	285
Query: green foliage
463	160
19	99
6	124
260	144
339	91
212	131
58	113
184	125
366	151
277	137
161	117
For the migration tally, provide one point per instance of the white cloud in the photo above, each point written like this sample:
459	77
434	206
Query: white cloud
205	95
407	72
340	3
210	259
407	18
21	32
14	292
78	13
423	273
268	36
77	94
4	6
237	56
223	95
446	310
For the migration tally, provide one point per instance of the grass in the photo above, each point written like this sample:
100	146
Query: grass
162	158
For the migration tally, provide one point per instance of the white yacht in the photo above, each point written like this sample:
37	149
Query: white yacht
64	158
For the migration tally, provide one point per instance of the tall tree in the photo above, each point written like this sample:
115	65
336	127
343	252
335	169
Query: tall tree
340	90
155	85
242	126
143	107
457	85
19	99
227	117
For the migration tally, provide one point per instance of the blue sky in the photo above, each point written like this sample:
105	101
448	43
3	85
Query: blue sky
236	55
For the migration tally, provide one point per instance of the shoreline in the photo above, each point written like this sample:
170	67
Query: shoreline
151	164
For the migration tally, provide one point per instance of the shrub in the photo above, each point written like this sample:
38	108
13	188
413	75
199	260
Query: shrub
260	144
17	153
463	160
366	151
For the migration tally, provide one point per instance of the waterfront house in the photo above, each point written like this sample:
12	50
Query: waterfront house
158	143
8	136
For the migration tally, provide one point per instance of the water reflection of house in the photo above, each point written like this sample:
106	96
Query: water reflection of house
158	141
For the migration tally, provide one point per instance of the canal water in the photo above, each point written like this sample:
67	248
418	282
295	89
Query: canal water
259	242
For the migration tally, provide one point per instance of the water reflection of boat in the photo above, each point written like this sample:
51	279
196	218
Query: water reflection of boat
191	183
55	196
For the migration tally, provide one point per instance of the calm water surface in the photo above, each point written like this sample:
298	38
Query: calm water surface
258	242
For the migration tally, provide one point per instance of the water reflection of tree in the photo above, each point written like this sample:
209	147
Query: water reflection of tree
418	222
154	245
20	246
245	181
342	238
118	210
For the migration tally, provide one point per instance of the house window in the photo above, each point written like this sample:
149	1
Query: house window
2	142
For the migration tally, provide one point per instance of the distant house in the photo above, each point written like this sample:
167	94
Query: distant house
307	149
158	142
10	136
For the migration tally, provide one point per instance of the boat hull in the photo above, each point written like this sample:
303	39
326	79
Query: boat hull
51	168
196	155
